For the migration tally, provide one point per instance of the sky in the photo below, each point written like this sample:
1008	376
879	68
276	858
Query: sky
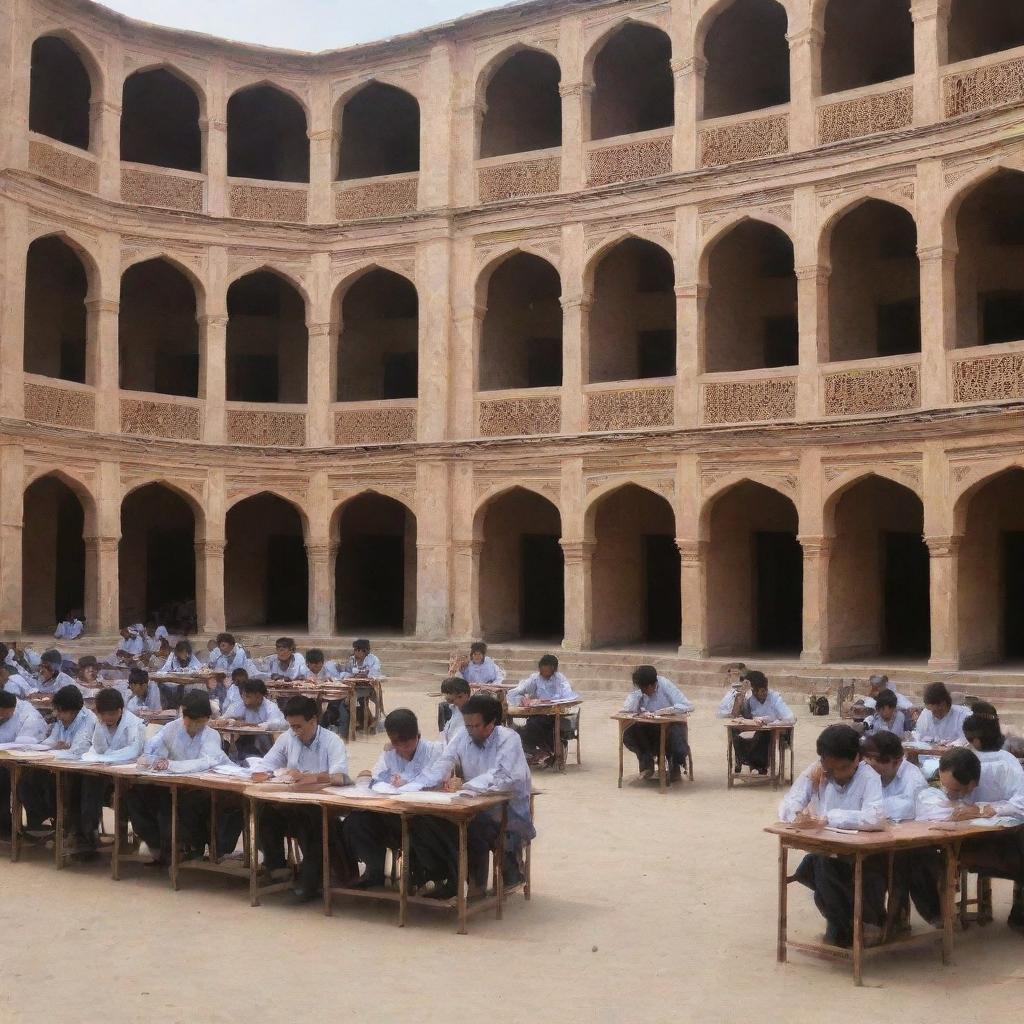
300	24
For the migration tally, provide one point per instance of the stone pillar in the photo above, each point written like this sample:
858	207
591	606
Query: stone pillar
466	590
812	302
436	128
13	254
931	49
691	301
433	263
102	588
105	120
944	565
804	87
103	315
433	519
817	555
575	133
12	512
579	556
937	254
688	74
15	67
694	585
467	324
320	355
575	325
322	139
214	128
321	556
210	585
213	344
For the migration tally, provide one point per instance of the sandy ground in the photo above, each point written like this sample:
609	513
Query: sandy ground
645	908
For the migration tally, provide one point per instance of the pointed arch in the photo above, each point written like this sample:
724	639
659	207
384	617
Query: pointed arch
378	131
65	81
161	112
848	205
174	261
293	280
722	487
729	224
268	139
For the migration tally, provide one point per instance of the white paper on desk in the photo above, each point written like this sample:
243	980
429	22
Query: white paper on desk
917	745
118	757
384	788
1000	821
67	755
427	797
23	746
232	771
356	792
35	753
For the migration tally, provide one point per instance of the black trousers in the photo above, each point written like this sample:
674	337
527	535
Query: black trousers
755	752
37	790
643	739
230	822
96	792
304	825
538	732
367	836
434	844
251	746
149	810
918	875
831	879
5	801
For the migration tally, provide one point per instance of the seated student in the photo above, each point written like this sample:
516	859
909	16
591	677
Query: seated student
228	655
72	731
480	668
130	650
654	693
144	696
285	663
455	692
887	716
940	722
19	723
318	669
842	791
185	745
761	705
306	753
253	707
70	627
223	691
14	682
987	741
538	734
1012	743
878	683
181	661
24	660
369	834
487	758
361	665
89	673
51	676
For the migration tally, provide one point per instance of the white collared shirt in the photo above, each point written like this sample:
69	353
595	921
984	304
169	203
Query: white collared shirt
948	729
186	753
325	754
26	725
268	713
539	688
1000	786
127	739
78	735
486	672
774	708
227	663
19	685
370	665
858	804
390	763
172	666
899	797
454	725
667	695
295	668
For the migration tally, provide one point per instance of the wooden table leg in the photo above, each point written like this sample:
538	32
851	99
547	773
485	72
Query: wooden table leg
254	859
858	918
403	877
353	706
728	759
115	856
560	747
174	837
325	824
461	899
15	812
499	864
773	759
780	953
58	819
213	827
662	763
952	858
622	735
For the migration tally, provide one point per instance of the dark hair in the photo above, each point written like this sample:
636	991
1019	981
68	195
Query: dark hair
840	741
184	645
239	674
53	657
7	699
740	665
68	698
401	724
87	661
7	669
196	705
963	763
315	654
936	693
224	638
983	709
886	746
478	648
285	641
455	685
879	680
4	651
109	699
304	707
138	676
645	675
886	699
360	645
757	680
985	730
486	707
548	659
254	686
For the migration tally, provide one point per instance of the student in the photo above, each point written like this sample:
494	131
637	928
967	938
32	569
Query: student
228	655
545	685
878	683
306	753
887	716
940	722
185	745
369	834
841	791
480	668
361	665
19	723
285	663
145	694
253	707
130	650
490	759
759	705
223	691
51	676
456	692
70	627
182	660
14	682
318	669
653	693
88	674
986	740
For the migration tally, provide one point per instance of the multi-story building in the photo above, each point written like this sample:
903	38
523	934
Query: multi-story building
696	322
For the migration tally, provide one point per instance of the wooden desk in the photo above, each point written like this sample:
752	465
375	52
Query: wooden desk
557	711
322	693
233	733
776	753
663	722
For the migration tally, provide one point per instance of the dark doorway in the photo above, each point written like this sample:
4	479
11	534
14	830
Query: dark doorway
1013	594
906	595
170	567
375	566
542	611
664	602
287	580
779	568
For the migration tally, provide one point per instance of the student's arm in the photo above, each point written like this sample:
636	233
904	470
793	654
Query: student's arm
381	772
275	716
51	740
212	753
565	690
727	704
798	797
934	805
510	770
153	702
133	751
83	738
631	705
32	730
435	773
679	701
781	710
499	674
925	729
526	688
234	709
276	757
902	806
337	765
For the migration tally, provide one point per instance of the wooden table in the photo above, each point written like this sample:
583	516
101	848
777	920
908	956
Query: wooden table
322	693
776	753
557	710
233	733
663	722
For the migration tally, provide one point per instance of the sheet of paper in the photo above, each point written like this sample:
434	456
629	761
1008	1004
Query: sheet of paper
22	746
353	792
232	771
426	797
384	788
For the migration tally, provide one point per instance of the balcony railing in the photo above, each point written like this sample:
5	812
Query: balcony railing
266	426
629	157
387	195
886	107
861	387
519	175
168	188
169	416
632	405
753	135
60	403
984	82
521	412
382	422
250	199
69	165
987	373
749	396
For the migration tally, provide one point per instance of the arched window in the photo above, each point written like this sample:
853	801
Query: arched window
523	108
160	121
866	42
267	136
60	93
55	316
380	133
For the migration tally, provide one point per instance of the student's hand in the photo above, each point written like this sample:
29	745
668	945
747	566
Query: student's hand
966	813
454	784
986	811
806	819
526	701
161	764
308	778
397	781
290	775
816	776
62	746
259	777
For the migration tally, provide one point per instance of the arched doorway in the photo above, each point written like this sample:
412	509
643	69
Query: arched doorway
522	107
267	135
60	93
160	121
380	133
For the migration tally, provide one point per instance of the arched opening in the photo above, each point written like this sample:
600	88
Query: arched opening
375	572
747	58
633	316
990	262
521	336
521	579
267	136
755	573
978	27
60	92
56	328
266	574
53	555
751	310
379	340
267	340
522	106
990	591
380	133
633	86
634	575
866	42
156	556
160	121
878	589
158	336
874	292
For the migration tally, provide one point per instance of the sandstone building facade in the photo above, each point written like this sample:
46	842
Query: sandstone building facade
621	322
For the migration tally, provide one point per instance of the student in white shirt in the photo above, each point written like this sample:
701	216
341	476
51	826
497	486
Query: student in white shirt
70	627
14	682
986	739
286	662
361	665
144	697
318	669
759	705
887	716
253	707
654	694
477	670
455	691
839	791
19	723
131	648
538	734
878	683
940	722
51	676
227	656
368	835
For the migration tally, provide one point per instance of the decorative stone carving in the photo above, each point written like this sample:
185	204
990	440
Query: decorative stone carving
374	426
755	139
519	178
630	408
980	88
266	428
61	165
872	389
866	115
63	407
630	161
364	201
514	417
989	378
161	188
750	401
255	202
160	419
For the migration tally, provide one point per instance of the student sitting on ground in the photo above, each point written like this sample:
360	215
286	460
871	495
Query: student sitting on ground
841	791
547	684
887	716
941	723
369	834
144	694
14	682
761	705
70	627
19	723
285	663
654	694
987	741
456	692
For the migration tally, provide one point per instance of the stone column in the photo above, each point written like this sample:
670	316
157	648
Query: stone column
102	588
817	555
102	330
321	556
944	565
13	253
12	512
210	585
575	133
319	355
575	357
433	263
436	128
213	345
579	556
812	278
467	324
15	66
688	75
433	519
466	589
322	139
691	302
214	128
804	87
931	49
694	572
105	117
938	322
